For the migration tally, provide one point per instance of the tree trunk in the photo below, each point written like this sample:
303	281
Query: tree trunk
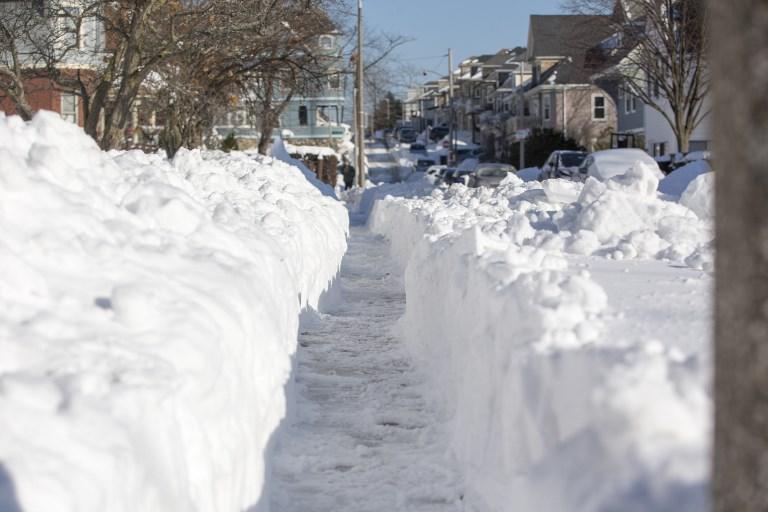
265	133
740	480
23	109
683	139
119	113
18	96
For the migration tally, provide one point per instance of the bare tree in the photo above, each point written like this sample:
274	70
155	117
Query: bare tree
740	51
183	59
659	51
35	39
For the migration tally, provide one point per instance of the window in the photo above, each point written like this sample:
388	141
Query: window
630	101
303	116
334	82
659	148
547	107
326	42
526	108
698	145
70	27
598	107
69	107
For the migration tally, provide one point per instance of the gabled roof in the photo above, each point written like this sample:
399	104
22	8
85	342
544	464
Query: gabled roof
565	35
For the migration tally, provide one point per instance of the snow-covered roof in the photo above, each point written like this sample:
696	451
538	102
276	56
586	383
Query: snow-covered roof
311	150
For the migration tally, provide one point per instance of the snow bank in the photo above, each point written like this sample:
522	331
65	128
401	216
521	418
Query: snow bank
555	400
150	311
699	196
675	183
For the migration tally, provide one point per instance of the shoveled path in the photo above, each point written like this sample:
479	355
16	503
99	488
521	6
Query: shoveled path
363	437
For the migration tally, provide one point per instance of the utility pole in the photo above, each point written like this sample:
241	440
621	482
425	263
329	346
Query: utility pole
450	106
359	120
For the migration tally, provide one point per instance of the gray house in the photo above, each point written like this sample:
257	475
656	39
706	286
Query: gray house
318	116
311	118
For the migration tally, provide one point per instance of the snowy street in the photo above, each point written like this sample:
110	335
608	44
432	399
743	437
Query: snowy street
382	167
364	438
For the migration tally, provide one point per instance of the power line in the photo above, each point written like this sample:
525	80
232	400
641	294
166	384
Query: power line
425	58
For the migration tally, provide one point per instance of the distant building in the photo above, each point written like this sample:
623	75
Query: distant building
310	118
79	44
318	116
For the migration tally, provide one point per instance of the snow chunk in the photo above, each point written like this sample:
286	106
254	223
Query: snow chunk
699	196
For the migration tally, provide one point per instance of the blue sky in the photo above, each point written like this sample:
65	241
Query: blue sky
470	27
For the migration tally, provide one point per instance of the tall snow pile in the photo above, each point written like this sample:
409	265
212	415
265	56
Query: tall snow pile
150	311
553	402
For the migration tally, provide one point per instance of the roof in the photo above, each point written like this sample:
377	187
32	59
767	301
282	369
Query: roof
565	35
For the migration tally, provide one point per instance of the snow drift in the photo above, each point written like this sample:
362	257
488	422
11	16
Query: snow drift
565	390
150	310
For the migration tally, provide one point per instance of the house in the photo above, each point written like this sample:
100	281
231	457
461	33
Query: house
311	117
428	104
639	123
60	53
316	116
560	94
504	79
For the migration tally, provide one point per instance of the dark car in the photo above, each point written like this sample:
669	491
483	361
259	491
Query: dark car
457	176
418	147
438	132
422	164
443	173
562	164
489	175
407	135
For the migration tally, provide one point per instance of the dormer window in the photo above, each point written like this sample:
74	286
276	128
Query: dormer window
326	42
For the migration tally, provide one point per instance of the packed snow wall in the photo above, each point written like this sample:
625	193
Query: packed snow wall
149	312
509	313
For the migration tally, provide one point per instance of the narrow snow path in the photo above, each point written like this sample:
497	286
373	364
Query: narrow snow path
382	166
362	436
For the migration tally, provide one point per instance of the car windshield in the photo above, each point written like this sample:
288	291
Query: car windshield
572	159
492	172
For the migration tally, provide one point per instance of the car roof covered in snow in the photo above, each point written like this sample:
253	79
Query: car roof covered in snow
613	162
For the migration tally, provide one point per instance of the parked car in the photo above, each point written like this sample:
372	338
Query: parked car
606	164
434	170
489	175
422	164
688	158
438	132
418	147
443	173
562	164
407	135
457	176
